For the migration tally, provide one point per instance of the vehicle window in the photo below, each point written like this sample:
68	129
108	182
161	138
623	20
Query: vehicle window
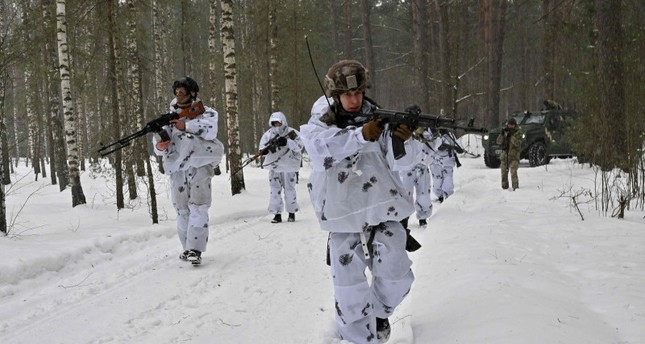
535	118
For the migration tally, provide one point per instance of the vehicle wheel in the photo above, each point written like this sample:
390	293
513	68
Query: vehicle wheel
491	161
537	155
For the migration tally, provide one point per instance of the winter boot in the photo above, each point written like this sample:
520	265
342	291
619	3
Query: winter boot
184	255
292	217
217	171
411	244
383	330
194	257
423	223
404	222
277	218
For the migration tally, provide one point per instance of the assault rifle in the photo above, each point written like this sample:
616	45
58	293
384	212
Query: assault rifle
270	146
413	118
154	126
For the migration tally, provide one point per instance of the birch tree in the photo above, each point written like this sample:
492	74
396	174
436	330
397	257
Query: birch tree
78	197
273	56
228	47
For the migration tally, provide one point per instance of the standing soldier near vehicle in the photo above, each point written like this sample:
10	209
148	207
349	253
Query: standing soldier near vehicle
511	142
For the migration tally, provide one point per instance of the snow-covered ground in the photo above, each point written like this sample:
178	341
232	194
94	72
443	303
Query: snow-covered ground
495	267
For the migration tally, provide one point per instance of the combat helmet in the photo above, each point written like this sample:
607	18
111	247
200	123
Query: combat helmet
346	75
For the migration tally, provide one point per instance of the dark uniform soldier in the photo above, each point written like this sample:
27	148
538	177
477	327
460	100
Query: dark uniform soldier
511	142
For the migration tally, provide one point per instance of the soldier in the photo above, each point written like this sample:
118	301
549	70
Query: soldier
282	148
511	141
190	158
418	180
358	197
443	164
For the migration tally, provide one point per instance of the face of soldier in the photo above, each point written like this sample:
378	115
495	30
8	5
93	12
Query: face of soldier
182	95
352	101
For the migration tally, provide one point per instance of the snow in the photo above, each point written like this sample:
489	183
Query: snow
495	266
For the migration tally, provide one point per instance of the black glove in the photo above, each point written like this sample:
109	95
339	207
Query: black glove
292	135
282	141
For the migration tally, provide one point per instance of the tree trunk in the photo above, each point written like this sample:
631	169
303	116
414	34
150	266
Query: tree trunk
113	68
230	75
493	18
420	29
333	9
347	29
273	57
447	84
611	80
134	76
369	47
212	52
78	197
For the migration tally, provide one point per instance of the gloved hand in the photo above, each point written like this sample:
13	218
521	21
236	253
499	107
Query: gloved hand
282	141
292	135
372	130
403	132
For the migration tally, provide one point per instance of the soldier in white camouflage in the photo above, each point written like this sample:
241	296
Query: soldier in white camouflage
358	197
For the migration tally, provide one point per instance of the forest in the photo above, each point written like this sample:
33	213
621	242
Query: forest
76	73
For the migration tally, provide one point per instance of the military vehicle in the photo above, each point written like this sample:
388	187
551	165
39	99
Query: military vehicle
546	136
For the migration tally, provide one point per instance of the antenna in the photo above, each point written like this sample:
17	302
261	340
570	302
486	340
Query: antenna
315	72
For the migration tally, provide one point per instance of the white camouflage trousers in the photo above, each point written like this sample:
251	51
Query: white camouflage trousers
359	302
442	185
191	195
279	181
418	180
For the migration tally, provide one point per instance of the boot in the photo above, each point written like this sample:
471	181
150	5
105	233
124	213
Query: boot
292	217
194	257
423	222
411	244
277	218
383	330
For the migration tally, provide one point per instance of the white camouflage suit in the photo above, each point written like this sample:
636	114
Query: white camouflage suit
190	161
356	192
418	179
283	163
443	165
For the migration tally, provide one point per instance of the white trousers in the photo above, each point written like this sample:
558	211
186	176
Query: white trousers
191	195
279	181
359	302
442	185
418	180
